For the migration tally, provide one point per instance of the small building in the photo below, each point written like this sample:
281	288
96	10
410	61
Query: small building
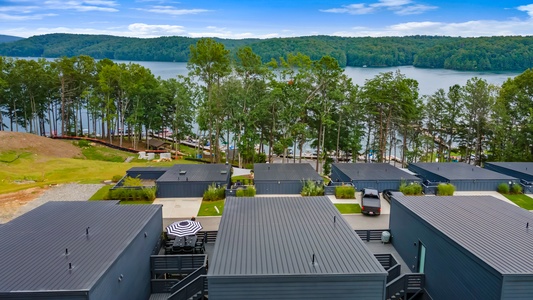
192	180
283	178
468	247
156	144
521	170
379	176
463	176
291	248
79	250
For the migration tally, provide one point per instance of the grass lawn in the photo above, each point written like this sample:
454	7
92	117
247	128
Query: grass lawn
208	208
101	194
245	179
521	200
33	170
348	208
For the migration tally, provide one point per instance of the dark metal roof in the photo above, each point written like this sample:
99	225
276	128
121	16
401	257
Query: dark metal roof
491	229
33	247
460	171
374	171
195	172
279	235
521	167
285	172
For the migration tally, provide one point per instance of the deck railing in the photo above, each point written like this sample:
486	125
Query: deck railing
196	287
406	286
390	264
371	235
211	236
190	278
173	264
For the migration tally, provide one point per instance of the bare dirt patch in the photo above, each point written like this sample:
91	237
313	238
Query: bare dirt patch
11	203
43	146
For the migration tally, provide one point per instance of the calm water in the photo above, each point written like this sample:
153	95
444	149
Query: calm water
429	80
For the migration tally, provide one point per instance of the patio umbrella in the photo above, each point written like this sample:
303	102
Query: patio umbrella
184	228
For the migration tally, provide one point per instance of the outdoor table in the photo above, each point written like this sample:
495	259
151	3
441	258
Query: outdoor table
184	241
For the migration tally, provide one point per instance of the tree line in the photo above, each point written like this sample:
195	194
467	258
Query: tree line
290	101
509	53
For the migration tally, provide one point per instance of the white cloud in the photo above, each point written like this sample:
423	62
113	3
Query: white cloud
352	9
527	8
6	17
414	9
171	10
391	3
214	31
399	7
82	6
464	29
145	30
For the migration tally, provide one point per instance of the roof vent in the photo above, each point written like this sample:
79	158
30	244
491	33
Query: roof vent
224	172
183	172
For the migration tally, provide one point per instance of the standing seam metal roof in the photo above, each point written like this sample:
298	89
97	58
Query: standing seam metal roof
198	173
489	228
32	252
374	171
462	171
279	235
520	167
285	172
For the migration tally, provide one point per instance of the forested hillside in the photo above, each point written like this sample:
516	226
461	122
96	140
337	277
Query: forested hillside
475	54
9	38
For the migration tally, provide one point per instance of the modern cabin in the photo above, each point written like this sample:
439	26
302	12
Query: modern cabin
283	178
379	176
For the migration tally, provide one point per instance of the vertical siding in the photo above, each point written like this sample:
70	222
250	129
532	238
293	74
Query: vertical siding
283	188
133	264
298	287
451	271
55	295
379	185
476	185
183	189
508	172
517	287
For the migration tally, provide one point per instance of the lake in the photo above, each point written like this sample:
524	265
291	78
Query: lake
429	80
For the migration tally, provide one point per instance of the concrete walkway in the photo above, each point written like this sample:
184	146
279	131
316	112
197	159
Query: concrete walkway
179	208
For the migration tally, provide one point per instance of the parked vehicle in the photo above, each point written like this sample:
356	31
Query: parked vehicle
388	194
370	202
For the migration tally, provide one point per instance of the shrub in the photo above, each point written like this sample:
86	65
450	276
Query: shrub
503	188
516	189
125	194
413	189
312	188
213	193
345	192
83	143
239	193
132	181
250	191
445	189
116	178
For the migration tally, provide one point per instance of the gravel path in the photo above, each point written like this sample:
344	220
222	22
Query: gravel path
64	192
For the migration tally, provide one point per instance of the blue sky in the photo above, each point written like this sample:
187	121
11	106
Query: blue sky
265	19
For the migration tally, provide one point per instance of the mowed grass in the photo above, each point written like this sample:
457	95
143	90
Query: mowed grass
208	208
101	194
348	208
521	200
33	170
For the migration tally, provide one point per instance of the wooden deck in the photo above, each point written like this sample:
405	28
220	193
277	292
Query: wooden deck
377	247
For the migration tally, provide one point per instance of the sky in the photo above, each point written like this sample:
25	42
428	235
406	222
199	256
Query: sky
267	18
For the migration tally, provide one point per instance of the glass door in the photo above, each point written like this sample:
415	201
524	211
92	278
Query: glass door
421	257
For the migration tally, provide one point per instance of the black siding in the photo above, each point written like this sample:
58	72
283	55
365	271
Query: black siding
133	265
278	187
451	271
